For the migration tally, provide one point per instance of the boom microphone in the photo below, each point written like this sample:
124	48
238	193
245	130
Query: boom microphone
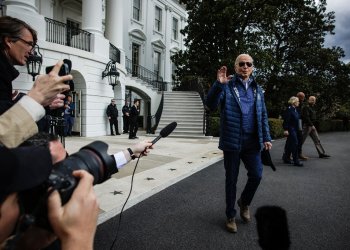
165	131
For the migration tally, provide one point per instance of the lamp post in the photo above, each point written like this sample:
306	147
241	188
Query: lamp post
34	62
112	73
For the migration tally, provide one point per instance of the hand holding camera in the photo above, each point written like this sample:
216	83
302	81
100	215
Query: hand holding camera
46	88
71	218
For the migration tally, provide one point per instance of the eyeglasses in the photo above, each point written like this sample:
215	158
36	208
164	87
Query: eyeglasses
29	43
241	64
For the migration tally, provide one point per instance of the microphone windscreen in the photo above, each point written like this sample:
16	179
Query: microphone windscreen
168	129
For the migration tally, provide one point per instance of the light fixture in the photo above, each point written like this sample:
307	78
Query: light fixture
112	73
34	62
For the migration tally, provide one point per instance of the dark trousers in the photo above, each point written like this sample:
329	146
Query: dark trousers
251	157
69	122
292	145
133	127
126	124
300	145
114	122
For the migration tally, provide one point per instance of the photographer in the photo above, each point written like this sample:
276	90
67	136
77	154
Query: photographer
17	41
22	176
19	122
74	223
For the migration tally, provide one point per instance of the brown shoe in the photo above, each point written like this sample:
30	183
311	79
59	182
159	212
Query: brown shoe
303	157
231	225
244	211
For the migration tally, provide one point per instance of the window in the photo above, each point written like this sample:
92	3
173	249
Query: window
135	59
137	10
158	19
175	28
156	63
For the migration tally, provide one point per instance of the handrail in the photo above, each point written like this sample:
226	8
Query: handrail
60	33
145	74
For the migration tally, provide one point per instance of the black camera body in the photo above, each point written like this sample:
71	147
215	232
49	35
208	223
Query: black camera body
64	70
92	158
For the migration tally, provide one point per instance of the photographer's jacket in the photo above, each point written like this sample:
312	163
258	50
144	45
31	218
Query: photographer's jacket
8	73
231	122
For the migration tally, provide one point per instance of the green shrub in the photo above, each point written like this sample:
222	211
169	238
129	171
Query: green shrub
276	129
214	129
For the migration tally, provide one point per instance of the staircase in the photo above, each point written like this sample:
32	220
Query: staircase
185	108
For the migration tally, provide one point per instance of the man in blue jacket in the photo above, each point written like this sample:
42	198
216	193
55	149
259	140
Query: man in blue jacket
244	132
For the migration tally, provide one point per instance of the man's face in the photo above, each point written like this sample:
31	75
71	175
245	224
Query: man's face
20	50
312	101
113	102
244	67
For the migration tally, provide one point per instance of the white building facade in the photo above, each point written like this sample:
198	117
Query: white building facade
139	36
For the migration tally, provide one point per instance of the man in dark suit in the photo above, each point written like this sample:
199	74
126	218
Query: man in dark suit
112	113
134	113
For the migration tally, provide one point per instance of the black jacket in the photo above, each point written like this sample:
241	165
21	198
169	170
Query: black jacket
7	74
309	115
112	111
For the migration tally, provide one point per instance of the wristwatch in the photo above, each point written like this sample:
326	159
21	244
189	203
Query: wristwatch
131	154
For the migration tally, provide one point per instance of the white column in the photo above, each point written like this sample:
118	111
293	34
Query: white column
27	11
25	5
168	30
92	16
114	25
92	22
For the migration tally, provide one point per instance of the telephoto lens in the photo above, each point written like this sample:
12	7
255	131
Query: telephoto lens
93	158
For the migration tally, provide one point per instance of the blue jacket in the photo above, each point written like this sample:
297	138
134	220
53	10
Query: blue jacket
291	119
226	95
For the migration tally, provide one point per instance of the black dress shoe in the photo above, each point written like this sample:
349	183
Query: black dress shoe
112	134
298	164
286	161
118	134
324	156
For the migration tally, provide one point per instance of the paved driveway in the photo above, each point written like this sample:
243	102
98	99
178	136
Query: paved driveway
190	214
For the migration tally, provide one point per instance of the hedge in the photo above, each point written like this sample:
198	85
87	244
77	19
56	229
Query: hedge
276	129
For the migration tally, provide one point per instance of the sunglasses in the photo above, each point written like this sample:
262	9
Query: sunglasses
29	43
241	64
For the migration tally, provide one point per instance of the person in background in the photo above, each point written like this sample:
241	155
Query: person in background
134	113
309	128
112	114
126	112
291	127
69	110
301	97
244	133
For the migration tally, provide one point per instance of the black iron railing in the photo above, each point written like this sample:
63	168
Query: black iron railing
114	53
60	33
145	74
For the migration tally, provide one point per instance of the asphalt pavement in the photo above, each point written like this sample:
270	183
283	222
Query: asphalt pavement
190	212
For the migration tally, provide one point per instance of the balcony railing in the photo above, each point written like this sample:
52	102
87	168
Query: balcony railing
114	53
60	33
145	75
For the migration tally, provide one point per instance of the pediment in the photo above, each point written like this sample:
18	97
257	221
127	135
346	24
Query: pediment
137	33
158	43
